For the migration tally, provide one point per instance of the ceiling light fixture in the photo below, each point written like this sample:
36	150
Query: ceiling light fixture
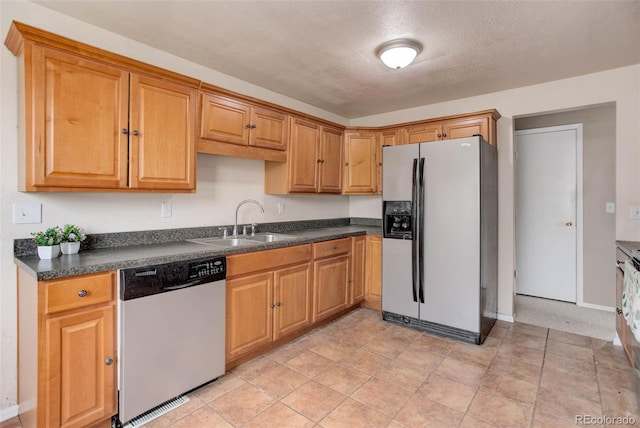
398	53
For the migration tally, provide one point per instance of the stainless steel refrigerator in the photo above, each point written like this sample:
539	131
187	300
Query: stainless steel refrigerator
440	237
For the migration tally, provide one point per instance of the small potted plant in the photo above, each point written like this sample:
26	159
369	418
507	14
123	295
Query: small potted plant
72	235
48	242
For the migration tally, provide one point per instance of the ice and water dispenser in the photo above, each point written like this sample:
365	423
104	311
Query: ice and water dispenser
397	219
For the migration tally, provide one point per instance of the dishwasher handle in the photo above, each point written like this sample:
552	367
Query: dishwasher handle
180	286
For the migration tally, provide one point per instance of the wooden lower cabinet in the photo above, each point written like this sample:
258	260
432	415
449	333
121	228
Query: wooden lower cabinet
358	269
330	292
373	279
249	313
266	306
81	386
67	366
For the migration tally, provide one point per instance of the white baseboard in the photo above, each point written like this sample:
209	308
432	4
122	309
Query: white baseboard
8	413
503	317
598	307
617	341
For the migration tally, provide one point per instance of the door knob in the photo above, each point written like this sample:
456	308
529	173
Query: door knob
569	224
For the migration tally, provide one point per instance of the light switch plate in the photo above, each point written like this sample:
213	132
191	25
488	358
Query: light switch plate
166	210
27	213
280	208
610	207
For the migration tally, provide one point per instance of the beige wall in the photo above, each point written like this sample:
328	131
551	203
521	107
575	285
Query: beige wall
599	187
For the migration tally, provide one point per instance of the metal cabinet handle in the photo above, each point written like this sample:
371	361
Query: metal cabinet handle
346	164
253	126
278	304
108	361
82	293
125	131
569	224
272	306
136	133
439	135
318	161
444	135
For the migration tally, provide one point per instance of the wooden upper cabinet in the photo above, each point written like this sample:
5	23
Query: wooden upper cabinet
389	137
303	156
467	125
360	168
330	156
224	120
75	115
461	128
97	121
422	133
313	162
269	129
235	128
162	148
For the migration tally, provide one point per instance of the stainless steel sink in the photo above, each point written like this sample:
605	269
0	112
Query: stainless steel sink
223	242
242	240
269	237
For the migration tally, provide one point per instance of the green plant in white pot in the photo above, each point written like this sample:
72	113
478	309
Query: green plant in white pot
48	242
72	236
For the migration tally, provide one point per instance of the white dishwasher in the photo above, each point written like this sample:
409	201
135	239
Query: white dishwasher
171	332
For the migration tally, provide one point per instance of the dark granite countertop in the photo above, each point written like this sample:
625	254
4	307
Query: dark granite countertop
90	260
628	246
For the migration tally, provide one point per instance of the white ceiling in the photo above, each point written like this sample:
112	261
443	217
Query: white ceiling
323	52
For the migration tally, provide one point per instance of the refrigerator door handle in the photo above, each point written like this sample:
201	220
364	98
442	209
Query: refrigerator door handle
421	226
414	231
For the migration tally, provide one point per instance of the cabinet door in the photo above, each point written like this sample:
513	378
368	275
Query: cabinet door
249	313
330	286
78	110
224	120
373	281
422	133
330	172
358	270
162	143
390	137
303	156
269	129
466	128
80	383
360	171
292	297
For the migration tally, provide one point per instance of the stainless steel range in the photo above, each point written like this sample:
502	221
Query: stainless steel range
171	332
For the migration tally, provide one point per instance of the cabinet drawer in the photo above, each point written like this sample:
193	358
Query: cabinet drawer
331	248
257	261
76	292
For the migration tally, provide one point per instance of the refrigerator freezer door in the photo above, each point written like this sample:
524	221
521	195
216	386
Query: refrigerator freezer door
451	231
397	280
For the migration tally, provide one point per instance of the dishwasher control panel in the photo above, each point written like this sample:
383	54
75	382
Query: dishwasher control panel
162	278
208	267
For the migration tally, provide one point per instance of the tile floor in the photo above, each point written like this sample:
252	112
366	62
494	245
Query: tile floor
359	371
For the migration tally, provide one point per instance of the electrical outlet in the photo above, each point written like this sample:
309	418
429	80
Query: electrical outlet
635	212
166	210
27	213
610	207
280	208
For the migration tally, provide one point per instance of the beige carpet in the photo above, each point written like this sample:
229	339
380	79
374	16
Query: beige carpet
565	317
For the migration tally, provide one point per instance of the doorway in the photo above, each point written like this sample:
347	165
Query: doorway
548	165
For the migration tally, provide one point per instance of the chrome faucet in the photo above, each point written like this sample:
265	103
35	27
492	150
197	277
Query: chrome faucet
235	225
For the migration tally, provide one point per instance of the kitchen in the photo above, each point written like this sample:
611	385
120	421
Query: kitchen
224	181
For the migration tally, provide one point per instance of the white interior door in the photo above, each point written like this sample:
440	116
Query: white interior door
547	214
